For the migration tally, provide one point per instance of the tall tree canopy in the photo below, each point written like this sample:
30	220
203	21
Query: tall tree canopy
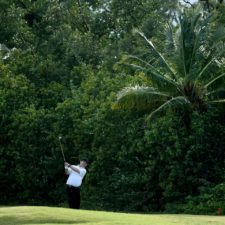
190	74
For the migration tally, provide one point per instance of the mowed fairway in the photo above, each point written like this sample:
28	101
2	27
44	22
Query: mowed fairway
51	216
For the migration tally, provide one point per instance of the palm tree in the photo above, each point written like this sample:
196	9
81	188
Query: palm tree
190	74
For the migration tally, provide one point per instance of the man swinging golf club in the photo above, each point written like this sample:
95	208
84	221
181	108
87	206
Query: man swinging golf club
76	174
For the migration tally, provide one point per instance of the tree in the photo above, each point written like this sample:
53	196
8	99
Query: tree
188	75
212	4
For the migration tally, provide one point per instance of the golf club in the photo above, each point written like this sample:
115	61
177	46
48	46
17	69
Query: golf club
62	148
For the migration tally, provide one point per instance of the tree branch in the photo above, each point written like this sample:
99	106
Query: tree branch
187	2
84	20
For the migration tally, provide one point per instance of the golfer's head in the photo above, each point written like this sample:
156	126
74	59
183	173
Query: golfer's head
83	162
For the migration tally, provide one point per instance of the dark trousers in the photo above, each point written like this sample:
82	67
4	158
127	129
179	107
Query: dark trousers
73	197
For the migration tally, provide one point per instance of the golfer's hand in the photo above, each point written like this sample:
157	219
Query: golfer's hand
67	164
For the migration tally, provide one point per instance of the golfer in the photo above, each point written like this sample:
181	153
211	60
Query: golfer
76	174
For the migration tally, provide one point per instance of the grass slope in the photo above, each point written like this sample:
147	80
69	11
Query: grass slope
51	216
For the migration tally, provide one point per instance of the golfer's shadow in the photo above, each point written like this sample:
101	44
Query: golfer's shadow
6	220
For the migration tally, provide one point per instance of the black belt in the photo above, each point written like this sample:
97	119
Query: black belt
70	186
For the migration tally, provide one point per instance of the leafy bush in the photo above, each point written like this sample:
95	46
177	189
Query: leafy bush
207	202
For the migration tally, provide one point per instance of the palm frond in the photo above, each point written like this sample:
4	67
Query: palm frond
170	41
155	74
213	80
172	103
212	60
138	59
192	35
218	35
217	101
139	97
197	45
185	37
216	91
170	70
199	75
181	40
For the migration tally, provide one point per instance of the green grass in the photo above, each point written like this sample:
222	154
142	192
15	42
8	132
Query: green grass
24	215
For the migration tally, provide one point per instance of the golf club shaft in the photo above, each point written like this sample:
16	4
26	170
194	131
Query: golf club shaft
62	150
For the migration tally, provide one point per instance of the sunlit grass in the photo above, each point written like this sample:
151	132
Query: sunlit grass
51	216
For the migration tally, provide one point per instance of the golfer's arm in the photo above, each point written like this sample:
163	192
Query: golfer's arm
74	169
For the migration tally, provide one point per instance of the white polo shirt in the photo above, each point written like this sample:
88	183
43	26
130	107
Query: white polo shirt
75	179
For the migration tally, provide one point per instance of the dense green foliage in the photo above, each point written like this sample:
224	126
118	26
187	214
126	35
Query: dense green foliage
59	75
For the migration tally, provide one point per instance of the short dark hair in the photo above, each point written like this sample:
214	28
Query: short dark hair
84	159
